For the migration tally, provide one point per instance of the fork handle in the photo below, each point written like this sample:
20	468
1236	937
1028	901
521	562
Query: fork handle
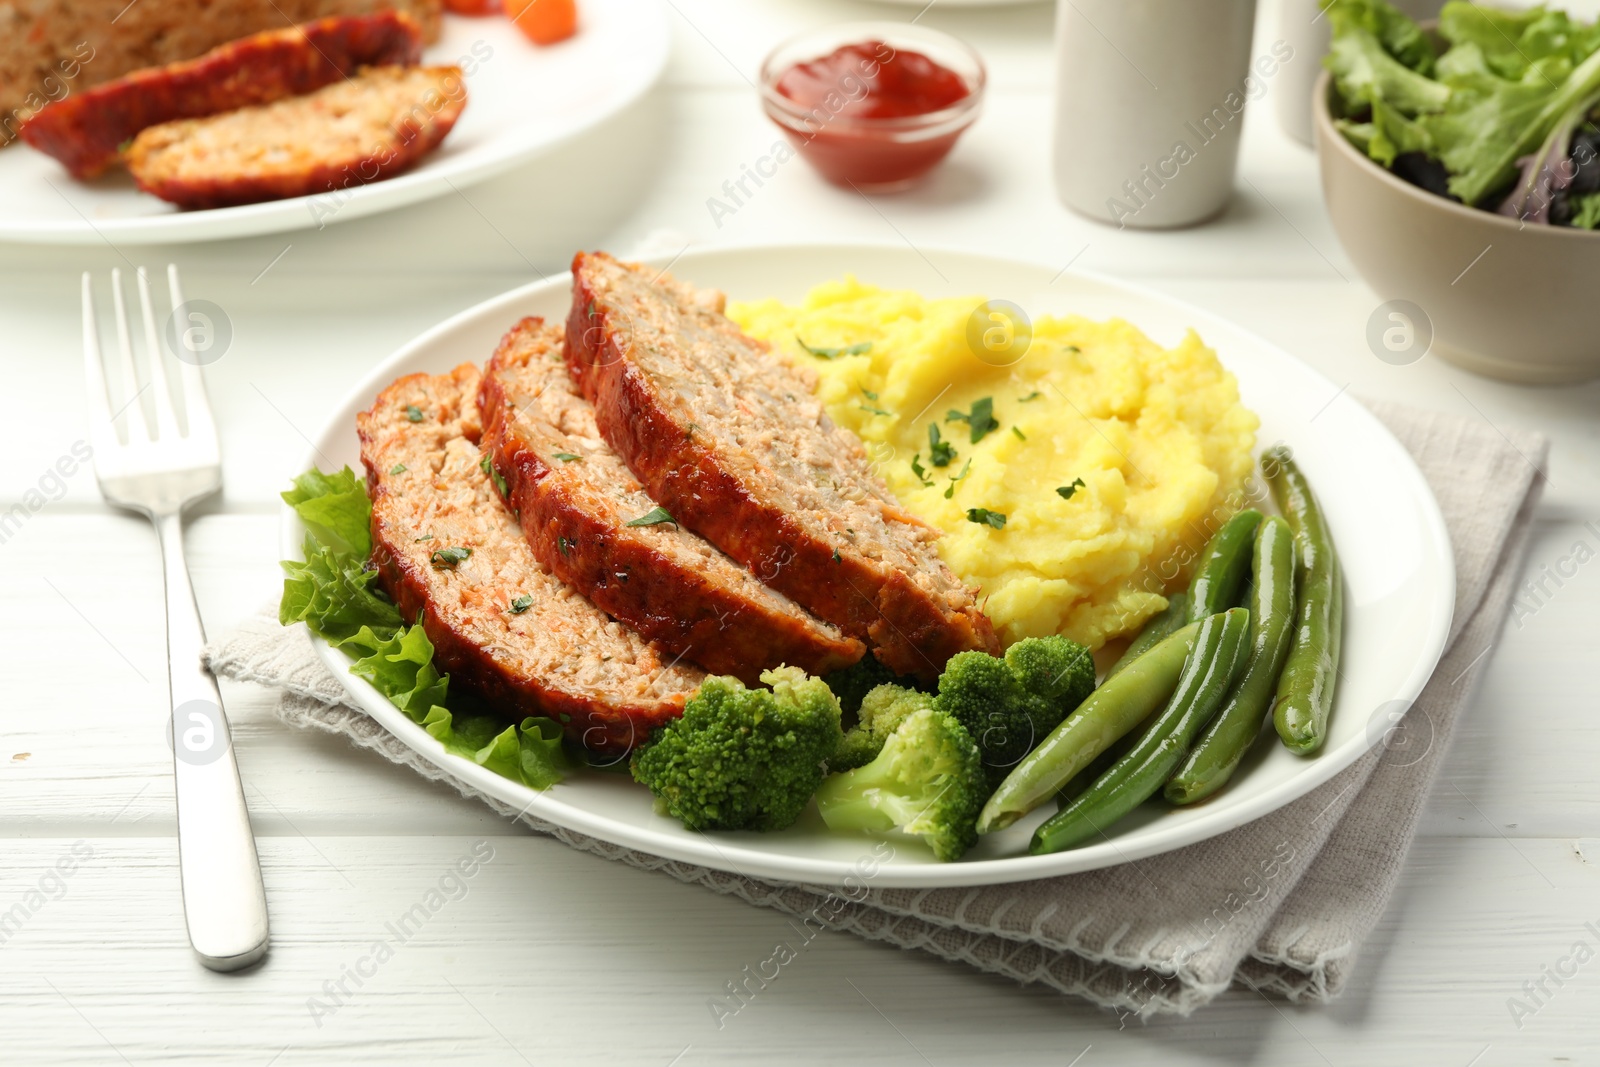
224	901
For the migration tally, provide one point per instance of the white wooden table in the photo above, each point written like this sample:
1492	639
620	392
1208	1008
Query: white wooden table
555	956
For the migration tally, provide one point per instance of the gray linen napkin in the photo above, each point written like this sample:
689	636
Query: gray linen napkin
1280	905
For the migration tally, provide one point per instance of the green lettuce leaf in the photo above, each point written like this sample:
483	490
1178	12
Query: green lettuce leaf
1400	36
334	593
1364	72
402	669
335	509
1586	207
1394	134
1486	131
1511	41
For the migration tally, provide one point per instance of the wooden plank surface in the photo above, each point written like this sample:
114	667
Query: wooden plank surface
554	956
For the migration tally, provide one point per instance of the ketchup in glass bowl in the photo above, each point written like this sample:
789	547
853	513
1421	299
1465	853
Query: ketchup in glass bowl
873	105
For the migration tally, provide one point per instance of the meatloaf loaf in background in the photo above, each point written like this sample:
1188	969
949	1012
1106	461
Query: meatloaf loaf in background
503	626
357	131
50	49
87	129
575	500
731	440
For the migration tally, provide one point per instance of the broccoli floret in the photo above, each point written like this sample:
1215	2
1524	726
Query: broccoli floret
850	684
1009	705
883	709
928	781
743	759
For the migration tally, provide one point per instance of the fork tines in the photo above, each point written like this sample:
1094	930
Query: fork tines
196	424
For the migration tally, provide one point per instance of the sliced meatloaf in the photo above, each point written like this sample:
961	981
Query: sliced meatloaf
731	440
50	49
577	502
450	554
86	130
356	131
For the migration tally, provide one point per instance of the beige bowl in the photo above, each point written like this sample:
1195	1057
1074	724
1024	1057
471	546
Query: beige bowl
1503	299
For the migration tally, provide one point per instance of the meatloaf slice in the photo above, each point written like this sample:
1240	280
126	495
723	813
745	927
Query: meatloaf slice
576	499
731	440
50	49
86	130
359	130
502	625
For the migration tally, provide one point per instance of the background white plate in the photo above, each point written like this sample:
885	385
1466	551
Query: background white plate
1399	572
523	100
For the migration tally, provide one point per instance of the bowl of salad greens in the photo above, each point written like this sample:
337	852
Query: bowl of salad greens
1460	161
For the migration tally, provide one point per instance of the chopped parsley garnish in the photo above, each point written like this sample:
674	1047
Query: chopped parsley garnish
564	544
950	491
566	457
521	604
917	469
487	466
940	451
590	309
413	413
868	393
654	517
398	468
985	517
1020	435
836	558
424	537
834	353
981	418
449	557
1065	491
875	411
688	435
1035	395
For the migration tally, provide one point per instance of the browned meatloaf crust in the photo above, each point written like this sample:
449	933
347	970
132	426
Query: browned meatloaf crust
360	130
86	130
50	49
502	625
575	499
731	440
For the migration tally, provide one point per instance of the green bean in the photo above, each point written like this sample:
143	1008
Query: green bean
1311	672
1174	615
1237	725
1111	711
1220	650
1219	583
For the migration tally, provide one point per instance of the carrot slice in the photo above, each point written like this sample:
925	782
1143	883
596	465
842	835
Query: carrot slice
544	21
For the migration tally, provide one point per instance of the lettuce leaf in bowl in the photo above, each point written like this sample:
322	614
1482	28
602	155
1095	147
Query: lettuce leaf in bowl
1365	72
1484	134
334	591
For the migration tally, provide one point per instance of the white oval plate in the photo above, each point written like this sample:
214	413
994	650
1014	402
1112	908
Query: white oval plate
1399	570
523	101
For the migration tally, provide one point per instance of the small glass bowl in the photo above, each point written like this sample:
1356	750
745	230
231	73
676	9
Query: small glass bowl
873	155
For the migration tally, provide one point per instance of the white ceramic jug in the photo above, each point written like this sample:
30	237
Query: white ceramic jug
1150	97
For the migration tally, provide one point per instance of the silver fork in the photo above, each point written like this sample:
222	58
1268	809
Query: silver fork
157	474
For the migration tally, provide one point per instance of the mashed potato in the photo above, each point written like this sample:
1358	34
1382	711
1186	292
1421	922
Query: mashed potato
1157	438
